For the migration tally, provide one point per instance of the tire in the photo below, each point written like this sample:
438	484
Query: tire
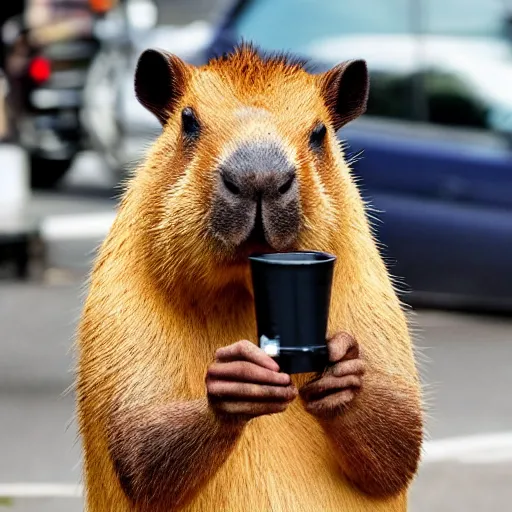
99	115
46	174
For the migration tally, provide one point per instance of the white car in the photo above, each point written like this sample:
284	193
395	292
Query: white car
481	66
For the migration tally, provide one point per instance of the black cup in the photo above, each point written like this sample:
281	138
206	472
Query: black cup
292	293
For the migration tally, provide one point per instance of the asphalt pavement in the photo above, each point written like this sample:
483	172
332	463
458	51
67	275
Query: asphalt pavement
465	365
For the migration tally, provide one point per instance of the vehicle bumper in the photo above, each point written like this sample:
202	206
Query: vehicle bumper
53	136
44	99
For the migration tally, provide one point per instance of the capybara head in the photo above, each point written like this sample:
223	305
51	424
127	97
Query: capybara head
248	160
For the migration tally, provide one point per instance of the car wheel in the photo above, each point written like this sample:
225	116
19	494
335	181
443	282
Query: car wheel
45	174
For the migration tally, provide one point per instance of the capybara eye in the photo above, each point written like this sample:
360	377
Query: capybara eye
317	136
190	123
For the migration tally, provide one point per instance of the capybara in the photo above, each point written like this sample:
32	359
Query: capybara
178	408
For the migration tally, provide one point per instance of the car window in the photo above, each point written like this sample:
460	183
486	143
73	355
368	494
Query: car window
332	31
294	24
467	18
467	64
445	62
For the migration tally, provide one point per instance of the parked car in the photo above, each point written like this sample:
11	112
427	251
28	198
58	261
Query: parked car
436	156
48	55
119	128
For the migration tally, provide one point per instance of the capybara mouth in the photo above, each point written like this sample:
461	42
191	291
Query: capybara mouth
256	242
257	235
265	232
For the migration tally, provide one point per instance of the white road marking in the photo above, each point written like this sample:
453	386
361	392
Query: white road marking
77	226
47	490
476	449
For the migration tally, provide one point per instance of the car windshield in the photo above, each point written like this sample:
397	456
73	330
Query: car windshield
294	24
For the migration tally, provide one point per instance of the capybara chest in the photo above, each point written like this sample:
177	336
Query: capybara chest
284	463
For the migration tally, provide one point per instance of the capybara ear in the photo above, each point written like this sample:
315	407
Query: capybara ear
345	90
159	82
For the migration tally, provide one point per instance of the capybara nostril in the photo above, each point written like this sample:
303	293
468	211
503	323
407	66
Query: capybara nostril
287	185
230	185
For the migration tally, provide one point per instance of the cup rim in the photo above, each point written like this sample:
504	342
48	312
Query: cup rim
280	258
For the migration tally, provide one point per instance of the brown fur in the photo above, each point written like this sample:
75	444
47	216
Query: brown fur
163	297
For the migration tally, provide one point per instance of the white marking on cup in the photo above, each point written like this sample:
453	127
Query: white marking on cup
270	347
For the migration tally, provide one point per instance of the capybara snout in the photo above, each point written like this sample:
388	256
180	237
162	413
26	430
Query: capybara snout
257	197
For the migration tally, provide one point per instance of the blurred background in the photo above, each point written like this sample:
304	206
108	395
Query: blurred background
433	155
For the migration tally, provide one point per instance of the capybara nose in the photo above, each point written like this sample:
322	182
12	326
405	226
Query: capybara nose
257	199
259	171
